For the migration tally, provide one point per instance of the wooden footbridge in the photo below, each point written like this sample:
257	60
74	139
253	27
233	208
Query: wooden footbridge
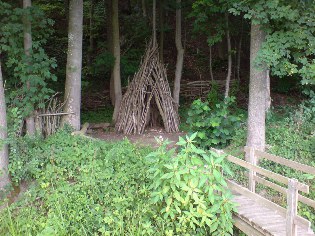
257	215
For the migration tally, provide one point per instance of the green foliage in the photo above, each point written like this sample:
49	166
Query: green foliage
289	46
98	116
81	186
215	124
189	190
29	75
102	64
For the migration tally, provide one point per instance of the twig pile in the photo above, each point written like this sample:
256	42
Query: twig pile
48	119
149	85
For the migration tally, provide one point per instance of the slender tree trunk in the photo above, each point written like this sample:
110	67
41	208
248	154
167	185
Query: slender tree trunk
239	53
144	8
30	123
228	77
74	64
161	48
180	53
210	63
154	23
257	93
4	154
268	94
116	53
110	47
91	39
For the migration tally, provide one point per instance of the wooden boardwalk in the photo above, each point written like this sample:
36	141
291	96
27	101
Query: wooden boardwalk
263	220
257	215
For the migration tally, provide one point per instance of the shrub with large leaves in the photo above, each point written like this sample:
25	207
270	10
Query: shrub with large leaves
189	190
215	125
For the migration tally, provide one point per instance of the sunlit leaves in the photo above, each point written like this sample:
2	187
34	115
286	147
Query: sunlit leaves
190	190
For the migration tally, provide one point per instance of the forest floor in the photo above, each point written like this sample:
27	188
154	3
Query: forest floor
148	138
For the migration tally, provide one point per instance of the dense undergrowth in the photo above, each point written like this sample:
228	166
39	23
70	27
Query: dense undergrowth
80	186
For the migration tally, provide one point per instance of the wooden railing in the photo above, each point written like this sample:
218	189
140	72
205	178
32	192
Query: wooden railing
260	175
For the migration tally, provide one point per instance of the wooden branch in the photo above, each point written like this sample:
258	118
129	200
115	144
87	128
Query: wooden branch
56	114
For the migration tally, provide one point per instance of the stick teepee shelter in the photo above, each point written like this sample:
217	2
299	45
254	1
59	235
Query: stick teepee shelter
148	86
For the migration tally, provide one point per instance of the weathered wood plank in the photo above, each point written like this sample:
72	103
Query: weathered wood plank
283	161
280	178
252	174
282	190
246	228
264	202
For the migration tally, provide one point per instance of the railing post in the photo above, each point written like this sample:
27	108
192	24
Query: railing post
292	202
252	174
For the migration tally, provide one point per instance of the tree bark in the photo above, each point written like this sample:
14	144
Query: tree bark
74	65
180	53
210	63
116	53
228	38
91	37
161	46
257	93
30	122
110	48
239	53
144	8
154	23
268	94
4	154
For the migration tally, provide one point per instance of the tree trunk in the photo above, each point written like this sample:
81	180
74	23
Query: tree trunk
228	38
257	93
91	39
239	53
210	63
180	53
161	46
154	23
110	48
4	154
74	65
116	53
144	9
30	123
268	95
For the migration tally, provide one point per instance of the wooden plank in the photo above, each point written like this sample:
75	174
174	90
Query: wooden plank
282	190
283	161
292	202
264	202
246	228
252	174
282	179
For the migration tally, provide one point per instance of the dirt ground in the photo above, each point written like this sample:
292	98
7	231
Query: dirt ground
146	139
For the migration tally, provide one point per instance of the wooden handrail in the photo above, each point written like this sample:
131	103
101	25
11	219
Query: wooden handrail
282	190
280	178
292	218
283	161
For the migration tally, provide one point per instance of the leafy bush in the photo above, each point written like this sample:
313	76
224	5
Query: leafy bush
215	125
81	186
189	190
